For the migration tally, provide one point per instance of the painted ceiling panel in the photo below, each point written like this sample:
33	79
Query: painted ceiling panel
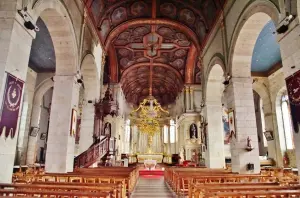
266	51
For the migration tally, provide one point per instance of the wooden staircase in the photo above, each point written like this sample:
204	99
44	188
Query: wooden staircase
95	152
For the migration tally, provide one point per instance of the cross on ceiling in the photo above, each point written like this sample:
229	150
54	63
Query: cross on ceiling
152	43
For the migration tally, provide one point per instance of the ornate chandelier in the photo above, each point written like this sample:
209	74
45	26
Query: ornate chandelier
149	108
147	117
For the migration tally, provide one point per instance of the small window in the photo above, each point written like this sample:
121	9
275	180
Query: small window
172	131
287	122
166	135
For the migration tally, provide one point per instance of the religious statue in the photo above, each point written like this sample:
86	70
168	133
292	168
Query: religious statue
182	154
107	129
193	131
249	142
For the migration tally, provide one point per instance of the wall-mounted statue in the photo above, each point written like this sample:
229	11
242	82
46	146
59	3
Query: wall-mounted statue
107	129
193	131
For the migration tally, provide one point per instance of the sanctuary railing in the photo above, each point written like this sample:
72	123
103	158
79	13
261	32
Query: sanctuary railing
92	154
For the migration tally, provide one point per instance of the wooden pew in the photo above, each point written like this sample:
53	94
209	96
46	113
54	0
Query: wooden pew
127	177
181	180
253	194
204	189
48	193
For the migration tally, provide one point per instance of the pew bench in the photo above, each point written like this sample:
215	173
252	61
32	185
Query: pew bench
196	190
253	194
51	193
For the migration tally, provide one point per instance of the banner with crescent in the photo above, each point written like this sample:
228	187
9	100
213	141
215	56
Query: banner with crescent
10	110
293	89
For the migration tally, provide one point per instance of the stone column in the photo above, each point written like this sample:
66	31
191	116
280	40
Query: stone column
187	99
32	141
169	141
215	135
192	99
26	117
15	42
290	52
239	96
61	144
87	127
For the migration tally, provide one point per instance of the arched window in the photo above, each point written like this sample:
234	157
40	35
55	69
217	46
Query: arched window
127	131
287	124
166	135
172	131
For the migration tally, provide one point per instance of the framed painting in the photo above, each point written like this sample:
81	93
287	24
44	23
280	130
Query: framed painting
269	135
34	131
73	123
226	126
43	136
231	121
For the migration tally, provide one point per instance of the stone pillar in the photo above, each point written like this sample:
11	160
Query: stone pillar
239	96
215	136
192	99
187	99
26	117
32	141
15	42
87	127
61	144
169	140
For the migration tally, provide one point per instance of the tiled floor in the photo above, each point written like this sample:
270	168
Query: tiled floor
151	186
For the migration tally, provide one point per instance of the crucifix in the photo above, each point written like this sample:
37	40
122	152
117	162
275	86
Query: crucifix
151	44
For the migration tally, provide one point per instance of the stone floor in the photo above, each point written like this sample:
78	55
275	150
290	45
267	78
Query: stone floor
151	186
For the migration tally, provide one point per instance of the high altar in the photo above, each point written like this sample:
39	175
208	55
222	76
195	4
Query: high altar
142	157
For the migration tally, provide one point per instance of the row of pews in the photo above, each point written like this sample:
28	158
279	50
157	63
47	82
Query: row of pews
212	183
101	182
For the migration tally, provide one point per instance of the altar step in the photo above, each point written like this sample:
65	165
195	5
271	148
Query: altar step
151	172
151	186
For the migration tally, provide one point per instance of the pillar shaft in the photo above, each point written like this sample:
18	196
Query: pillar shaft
87	127
15	42
192	99
187	99
239	96
215	137
61	144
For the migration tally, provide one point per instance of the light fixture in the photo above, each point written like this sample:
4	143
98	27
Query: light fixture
147	118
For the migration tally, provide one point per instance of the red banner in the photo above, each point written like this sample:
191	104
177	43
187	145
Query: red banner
293	88
12	99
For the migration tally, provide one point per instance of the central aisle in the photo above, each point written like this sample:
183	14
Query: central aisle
151	186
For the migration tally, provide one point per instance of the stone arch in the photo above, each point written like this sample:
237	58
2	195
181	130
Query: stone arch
214	111
215	60
246	32
40	90
263	92
91	91
59	23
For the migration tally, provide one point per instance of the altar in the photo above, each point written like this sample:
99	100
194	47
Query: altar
142	157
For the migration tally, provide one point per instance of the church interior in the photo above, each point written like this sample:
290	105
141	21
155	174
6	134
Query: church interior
150	98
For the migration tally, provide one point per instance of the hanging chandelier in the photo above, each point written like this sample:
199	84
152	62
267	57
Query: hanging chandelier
149	108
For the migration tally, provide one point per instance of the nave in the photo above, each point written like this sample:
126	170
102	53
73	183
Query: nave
98	96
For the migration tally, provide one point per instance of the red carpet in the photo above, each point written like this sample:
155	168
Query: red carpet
152	172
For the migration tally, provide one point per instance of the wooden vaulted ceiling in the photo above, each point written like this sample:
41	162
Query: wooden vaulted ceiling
153	45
